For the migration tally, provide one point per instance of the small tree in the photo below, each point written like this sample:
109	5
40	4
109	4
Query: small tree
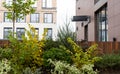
18	7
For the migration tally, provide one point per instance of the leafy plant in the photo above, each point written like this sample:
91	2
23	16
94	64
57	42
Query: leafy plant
5	66
88	69
83	62
61	67
26	53
29	71
49	43
5	53
80	57
109	61
56	54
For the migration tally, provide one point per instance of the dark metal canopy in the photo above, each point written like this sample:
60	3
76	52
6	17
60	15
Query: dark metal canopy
80	18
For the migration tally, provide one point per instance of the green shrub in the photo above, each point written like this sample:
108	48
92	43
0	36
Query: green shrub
5	66
83	61
88	69
109	61
56	54
61	67
5	53
80	57
26	53
49	43
29	71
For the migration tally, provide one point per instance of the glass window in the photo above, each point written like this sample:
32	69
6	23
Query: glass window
48	18
21	20
34	18
47	3
20	32
102	26
7	31
43	3
8	2
6	19
49	33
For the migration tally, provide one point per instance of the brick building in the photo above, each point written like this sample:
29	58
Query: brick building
44	17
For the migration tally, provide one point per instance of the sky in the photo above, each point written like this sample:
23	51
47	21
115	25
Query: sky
65	11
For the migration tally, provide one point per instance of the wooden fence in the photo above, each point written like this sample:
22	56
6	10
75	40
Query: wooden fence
106	47
4	43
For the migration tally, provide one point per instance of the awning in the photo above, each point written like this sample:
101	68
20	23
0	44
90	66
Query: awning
80	18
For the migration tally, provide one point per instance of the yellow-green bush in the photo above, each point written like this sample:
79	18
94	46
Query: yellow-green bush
80	57
27	52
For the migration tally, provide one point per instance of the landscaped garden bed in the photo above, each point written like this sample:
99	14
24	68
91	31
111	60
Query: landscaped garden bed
63	56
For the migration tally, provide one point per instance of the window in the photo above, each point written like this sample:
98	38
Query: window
49	33
48	18
34	18
101	22
47	3
21	20
86	32
6	19
8	2
7	31
20	32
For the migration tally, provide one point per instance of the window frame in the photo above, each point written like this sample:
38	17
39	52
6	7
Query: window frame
46	18
20	38
45	4
18	20
101	24
6	19
9	29
35	21
47	35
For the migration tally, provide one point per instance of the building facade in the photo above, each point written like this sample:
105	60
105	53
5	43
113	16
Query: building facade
102	20
43	18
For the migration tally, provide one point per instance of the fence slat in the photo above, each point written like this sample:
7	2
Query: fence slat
107	47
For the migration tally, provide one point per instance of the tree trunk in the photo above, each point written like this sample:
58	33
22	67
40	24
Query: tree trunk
13	24
13	19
